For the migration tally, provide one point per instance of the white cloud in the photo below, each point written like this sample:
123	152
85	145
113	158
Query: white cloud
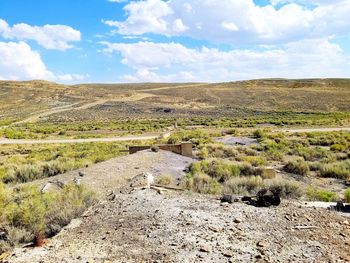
144	16
72	77
57	37
19	62
175	62
236	21
117	1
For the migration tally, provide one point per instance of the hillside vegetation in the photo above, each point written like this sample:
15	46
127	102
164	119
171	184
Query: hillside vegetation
19	100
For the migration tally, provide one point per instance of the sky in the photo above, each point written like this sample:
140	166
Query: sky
81	41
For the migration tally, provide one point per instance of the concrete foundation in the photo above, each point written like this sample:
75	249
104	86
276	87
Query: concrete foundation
184	148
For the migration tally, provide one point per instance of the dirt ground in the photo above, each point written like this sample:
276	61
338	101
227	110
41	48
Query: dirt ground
145	226
118	172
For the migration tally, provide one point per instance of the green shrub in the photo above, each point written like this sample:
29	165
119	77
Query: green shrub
339	170
165	179
231	132
297	166
201	183
255	160
309	153
26	212
321	195
338	147
217	151
259	134
286	188
197	137
273	150
347	196
243	185
28	163
248	170
219	169
268	173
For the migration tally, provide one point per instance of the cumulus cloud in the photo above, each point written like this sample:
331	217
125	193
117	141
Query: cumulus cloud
236	21
57	37
117	1
19	62
72	77
175	62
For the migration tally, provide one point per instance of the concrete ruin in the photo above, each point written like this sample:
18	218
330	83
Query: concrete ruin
184	149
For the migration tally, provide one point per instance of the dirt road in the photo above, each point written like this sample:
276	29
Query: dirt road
36	117
316	129
112	139
138	95
175	87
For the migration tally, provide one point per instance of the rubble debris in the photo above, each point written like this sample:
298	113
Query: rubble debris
264	198
340	207
111	196
227	199
52	185
77	181
150	179
305	227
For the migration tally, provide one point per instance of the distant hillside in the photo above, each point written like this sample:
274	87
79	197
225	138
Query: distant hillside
22	99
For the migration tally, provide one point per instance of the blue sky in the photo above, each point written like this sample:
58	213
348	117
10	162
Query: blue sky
173	41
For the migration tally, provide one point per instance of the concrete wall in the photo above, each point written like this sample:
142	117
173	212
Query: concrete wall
184	148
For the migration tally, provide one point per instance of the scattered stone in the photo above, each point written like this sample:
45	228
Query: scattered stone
205	248
261	244
227	199
227	253
237	220
215	229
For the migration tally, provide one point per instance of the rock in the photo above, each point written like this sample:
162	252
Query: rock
215	229
346	222
261	244
205	248
227	253
237	220
227	199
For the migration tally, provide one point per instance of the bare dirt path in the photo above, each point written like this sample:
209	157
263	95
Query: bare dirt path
138	95
36	117
175	87
54	141
115	173
326	129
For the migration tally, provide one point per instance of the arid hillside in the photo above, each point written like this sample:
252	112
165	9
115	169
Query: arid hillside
19	100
